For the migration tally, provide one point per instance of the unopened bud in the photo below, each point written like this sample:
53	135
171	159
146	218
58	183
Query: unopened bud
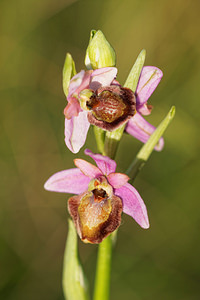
99	53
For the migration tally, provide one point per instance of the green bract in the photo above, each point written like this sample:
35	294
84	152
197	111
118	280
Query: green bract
68	72
74	281
134	75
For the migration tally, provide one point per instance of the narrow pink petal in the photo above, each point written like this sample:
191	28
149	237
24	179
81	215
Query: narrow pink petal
149	79
71	181
144	109
138	127
133	204
85	82
76	131
104	163
78	83
102	77
117	179
87	168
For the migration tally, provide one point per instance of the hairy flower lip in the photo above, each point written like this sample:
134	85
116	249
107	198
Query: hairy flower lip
119	109
95	230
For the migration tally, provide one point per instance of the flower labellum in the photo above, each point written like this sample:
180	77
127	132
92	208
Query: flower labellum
100	197
111	106
96	213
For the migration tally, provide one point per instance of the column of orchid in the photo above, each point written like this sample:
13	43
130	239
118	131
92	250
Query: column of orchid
101	195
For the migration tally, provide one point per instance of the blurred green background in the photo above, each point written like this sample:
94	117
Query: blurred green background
159	263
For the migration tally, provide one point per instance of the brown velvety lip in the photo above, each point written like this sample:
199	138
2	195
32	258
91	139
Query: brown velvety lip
108	115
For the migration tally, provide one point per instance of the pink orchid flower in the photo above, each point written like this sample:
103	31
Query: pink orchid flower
78	119
108	106
102	195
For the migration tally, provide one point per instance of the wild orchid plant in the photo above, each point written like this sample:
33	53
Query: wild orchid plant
95	97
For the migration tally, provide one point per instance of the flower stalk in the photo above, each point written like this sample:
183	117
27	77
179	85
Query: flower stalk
112	141
103	268
100	139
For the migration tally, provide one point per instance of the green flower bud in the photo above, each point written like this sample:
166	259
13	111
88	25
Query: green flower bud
99	53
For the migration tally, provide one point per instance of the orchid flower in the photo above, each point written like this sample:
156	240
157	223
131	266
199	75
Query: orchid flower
95	97
101	196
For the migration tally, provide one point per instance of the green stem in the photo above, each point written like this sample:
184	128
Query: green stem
102	279
100	139
112	141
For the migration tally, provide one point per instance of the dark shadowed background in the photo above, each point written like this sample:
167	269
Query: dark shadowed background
159	263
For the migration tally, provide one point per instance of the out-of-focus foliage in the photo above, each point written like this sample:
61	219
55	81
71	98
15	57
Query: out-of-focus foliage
159	263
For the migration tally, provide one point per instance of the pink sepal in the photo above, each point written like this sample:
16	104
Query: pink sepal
149	79
133	205
76	131
71	181
87	168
